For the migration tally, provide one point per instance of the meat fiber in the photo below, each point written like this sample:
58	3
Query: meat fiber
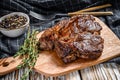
73	38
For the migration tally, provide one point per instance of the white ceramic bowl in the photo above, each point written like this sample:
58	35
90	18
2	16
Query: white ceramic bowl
15	32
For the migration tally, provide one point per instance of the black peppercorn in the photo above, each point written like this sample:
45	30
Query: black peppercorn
13	22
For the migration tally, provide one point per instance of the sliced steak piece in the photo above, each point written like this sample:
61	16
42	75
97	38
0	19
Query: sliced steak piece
77	37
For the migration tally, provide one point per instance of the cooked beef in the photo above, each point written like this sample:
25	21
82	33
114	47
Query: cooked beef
76	37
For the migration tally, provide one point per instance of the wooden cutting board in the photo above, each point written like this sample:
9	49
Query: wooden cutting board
49	64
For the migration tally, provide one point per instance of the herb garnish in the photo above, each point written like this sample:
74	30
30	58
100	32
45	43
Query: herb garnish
29	52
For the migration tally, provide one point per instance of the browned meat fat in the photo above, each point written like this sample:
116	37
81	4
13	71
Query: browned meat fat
76	37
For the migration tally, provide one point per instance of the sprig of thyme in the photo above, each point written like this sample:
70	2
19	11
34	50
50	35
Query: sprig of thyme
29	52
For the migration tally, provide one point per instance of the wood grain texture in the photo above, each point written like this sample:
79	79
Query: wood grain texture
108	71
49	64
9	64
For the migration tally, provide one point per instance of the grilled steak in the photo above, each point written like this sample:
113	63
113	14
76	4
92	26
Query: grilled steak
73	38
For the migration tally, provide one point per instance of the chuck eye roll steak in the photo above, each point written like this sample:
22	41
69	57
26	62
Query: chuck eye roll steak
73	38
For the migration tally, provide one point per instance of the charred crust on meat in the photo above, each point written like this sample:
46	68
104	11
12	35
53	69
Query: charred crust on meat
74	38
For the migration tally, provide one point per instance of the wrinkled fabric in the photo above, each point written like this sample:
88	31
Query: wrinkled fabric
9	46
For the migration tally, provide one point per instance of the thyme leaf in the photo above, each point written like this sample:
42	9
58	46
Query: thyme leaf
29	52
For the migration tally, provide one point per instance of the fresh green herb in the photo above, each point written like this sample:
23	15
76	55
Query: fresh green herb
29	52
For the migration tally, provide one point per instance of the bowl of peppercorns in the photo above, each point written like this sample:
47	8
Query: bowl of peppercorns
14	24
